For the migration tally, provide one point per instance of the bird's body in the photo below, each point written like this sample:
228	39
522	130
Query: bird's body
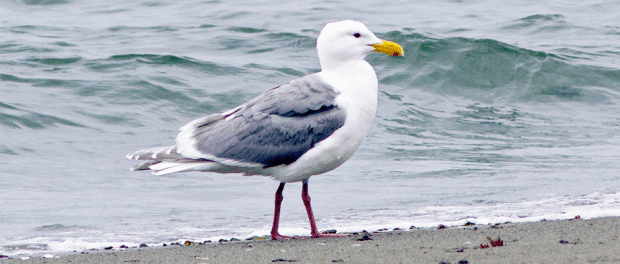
306	127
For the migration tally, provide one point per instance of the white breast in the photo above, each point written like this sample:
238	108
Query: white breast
357	85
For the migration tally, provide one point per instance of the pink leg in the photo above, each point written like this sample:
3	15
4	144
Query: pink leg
276	215
313	230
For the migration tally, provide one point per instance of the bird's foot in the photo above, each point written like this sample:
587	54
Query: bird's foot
276	236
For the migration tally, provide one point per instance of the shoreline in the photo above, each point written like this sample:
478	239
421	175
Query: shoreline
594	240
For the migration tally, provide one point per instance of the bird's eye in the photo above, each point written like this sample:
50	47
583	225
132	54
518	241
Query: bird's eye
357	35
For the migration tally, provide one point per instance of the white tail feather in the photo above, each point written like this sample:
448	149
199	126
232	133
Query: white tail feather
166	167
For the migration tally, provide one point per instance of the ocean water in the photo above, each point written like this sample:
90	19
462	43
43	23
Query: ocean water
498	112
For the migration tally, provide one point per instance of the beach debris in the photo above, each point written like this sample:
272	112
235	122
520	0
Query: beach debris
282	250
123	246
206	242
188	243
380	230
143	245
412	227
222	240
284	260
577	217
469	224
320	244
108	248
234	239
364	238
475	228
4	256
356	245
175	244
24	257
464	261
441	226
337	260
496	243
48	256
258	238
396	229
567	242
203	258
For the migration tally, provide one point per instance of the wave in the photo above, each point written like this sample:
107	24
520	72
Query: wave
488	70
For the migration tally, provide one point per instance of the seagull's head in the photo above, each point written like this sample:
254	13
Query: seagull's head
346	40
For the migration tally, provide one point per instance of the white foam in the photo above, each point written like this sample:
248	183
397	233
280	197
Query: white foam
551	207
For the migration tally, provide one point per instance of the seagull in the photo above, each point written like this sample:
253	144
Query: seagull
308	126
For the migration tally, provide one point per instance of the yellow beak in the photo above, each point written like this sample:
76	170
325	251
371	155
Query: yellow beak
389	48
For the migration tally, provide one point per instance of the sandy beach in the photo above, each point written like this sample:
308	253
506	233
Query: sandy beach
565	241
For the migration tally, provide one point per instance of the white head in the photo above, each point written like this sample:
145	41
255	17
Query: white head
344	41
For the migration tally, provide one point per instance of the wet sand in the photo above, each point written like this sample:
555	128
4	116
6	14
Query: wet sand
566	241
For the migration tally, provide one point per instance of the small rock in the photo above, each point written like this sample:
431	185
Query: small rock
207	241
284	260
143	245
364	238
412	227
123	246
442	226
108	248
234	239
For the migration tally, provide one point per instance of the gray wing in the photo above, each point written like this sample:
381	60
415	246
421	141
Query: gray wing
275	128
